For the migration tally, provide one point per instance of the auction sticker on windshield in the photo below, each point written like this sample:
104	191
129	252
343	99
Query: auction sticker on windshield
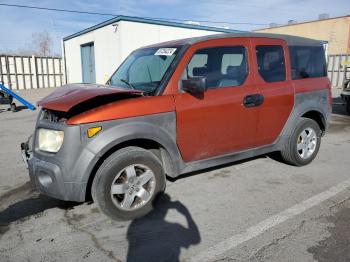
165	51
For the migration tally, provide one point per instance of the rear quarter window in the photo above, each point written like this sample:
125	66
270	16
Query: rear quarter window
307	62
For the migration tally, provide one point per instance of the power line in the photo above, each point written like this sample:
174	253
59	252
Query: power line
55	9
110	14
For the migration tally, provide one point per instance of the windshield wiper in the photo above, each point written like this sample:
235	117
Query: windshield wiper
128	83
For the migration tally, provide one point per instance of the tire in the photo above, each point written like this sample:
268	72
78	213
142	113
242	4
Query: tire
291	155
126	170
348	107
13	107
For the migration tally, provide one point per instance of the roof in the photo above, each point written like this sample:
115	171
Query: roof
148	21
306	22
291	40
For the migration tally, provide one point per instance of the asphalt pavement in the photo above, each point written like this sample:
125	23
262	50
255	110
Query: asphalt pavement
255	210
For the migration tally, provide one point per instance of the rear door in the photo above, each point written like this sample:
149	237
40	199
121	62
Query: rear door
274	84
216	122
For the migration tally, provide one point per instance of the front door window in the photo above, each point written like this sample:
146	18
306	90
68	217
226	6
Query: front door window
221	66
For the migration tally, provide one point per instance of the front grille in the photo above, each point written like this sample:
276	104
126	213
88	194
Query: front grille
52	116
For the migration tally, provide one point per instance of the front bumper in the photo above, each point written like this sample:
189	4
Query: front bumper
46	178
56	175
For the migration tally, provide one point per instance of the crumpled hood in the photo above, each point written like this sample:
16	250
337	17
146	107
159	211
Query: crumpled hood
68	96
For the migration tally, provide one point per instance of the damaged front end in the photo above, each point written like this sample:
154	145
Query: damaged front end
73	99
56	154
26	150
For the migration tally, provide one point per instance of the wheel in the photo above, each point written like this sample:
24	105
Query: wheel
304	143
13	107
127	183
348	107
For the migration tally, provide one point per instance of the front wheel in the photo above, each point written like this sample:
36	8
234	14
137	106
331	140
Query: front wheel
304	143
127	183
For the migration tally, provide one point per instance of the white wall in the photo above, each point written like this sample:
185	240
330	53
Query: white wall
106	43
112	45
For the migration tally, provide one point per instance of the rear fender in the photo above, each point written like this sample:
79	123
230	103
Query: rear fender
304	103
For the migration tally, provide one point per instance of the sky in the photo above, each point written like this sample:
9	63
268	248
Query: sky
17	24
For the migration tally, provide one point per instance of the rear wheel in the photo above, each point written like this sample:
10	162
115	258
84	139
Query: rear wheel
348	107
304	143
127	183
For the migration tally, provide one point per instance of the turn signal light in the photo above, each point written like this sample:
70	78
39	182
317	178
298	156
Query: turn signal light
92	131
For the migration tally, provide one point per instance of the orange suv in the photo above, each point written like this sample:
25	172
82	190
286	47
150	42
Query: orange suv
177	107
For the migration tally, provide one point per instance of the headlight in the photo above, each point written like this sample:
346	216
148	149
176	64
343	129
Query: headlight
50	140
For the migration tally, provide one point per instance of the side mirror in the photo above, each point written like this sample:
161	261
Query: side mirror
194	85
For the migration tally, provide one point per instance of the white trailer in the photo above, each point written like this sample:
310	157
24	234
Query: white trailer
93	54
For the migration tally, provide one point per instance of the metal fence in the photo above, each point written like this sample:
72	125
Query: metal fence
30	72
336	68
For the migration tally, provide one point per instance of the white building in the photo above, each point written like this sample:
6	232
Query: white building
93	54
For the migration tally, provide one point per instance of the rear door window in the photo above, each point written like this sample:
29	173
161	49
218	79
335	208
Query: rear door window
307	61
271	62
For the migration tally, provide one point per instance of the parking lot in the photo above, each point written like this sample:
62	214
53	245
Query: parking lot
254	210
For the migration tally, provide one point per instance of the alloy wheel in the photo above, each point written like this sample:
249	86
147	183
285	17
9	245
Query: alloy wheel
307	142
133	187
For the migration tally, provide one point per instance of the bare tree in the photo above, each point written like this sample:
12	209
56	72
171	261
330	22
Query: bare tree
42	43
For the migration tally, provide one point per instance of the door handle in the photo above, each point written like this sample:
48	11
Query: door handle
253	100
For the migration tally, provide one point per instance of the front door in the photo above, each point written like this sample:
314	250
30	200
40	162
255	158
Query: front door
88	63
218	121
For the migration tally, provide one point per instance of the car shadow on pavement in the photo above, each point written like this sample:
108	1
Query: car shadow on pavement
20	108
152	238
33	205
209	169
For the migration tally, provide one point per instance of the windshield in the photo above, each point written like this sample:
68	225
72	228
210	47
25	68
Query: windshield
144	69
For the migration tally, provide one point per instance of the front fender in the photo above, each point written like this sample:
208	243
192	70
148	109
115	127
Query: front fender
160	128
